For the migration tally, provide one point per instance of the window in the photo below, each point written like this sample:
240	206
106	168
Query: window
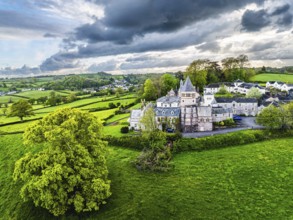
172	112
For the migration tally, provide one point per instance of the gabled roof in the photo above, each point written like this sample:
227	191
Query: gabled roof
167	112
218	85
136	114
220	110
169	99
187	86
238	100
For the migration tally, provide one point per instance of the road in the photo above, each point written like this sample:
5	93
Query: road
245	124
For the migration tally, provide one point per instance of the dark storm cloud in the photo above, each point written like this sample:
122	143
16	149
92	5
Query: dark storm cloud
255	20
126	19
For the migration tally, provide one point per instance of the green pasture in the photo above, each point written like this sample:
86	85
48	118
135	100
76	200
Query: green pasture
37	94
246	182
286	78
106	103
7	98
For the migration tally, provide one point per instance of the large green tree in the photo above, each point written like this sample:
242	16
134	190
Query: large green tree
167	82
197	72
20	109
149	90
275	118
148	120
254	93
71	171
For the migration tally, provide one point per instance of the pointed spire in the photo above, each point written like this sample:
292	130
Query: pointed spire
187	87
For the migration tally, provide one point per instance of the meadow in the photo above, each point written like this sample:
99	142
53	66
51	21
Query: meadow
245	182
265	77
87	104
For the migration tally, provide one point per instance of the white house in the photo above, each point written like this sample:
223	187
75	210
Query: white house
240	106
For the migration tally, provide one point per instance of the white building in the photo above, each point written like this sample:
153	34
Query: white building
192	112
240	106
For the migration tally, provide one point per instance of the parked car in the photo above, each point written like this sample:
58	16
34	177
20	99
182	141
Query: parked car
170	130
237	118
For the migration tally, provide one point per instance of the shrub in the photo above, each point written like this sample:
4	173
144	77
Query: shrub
220	141
124	130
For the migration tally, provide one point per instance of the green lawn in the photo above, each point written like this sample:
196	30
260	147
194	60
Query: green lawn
37	94
106	103
248	182
6	99
272	77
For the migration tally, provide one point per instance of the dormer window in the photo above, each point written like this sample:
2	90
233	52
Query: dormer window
172	112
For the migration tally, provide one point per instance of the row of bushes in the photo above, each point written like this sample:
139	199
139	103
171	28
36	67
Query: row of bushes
135	142
200	144
226	140
227	122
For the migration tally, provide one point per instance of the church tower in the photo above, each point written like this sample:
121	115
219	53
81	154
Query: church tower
188	101
188	93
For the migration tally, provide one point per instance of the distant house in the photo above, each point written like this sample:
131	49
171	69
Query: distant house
237	86
213	88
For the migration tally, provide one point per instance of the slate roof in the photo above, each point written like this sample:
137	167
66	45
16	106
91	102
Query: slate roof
238	81
280	83
271	82
238	100
187	86
167	112
169	99
218	85
136	114
220	110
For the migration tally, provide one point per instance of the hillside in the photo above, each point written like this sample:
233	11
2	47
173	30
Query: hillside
248	182
264	77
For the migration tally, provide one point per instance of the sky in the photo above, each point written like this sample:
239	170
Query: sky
140	36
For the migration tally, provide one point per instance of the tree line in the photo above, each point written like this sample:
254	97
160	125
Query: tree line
201	73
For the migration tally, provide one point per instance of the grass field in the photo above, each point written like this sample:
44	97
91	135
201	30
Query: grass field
6	99
37	94
248	182
272	77
106	103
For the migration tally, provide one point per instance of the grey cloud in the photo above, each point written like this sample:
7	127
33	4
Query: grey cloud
210	46
285	20
104	66
281	10
49	35
263	46
25	70
57	62
13	19
143	62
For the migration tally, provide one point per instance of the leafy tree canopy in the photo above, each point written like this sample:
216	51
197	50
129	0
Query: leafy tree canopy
275	117
71	170
21	109
149	90
167	82
254	93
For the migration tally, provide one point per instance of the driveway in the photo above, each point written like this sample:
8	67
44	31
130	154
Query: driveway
245	124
